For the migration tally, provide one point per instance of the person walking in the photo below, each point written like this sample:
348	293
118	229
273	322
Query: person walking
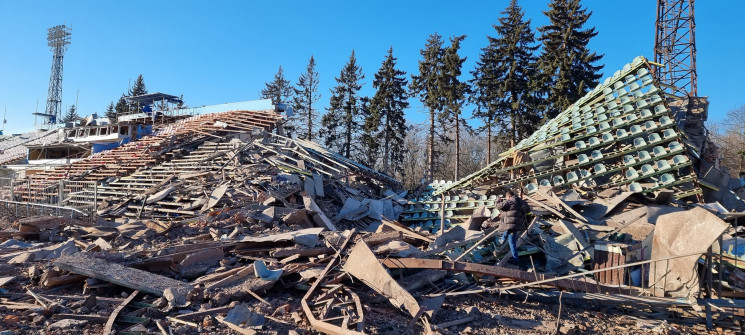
513	211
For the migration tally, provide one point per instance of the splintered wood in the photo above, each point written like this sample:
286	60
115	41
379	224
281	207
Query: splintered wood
144	281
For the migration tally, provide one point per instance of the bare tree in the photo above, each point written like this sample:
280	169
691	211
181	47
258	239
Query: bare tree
729	136
415	157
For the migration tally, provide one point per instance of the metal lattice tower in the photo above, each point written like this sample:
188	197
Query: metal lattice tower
675	46
58	39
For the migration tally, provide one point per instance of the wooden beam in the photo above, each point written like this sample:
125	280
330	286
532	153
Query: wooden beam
135	279
112	317
497	271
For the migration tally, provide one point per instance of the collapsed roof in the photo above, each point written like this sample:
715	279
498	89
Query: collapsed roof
619	134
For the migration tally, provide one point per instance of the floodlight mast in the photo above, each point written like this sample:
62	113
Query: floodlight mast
58	39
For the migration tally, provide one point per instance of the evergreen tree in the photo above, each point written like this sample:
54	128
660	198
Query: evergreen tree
306	94
566	64
111	112
387	113
340	126
122	108
426	86
139	87
279	89
71	115
483	95
453	93
369	141
502	83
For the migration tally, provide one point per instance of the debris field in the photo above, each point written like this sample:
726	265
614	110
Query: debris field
219	224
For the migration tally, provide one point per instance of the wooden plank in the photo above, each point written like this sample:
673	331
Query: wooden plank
135	279
540	204
215	197
497	271
87	317
112	317
235	327
201	314
318	324
576	232
553	198
311	205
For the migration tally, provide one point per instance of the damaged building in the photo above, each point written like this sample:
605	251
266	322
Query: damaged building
217	223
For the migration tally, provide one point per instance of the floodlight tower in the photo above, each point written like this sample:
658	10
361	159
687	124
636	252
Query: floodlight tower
675	46
58	38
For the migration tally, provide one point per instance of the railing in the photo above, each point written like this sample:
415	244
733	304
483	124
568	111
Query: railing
60	198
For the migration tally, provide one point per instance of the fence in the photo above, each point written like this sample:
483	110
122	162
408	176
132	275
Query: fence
23	197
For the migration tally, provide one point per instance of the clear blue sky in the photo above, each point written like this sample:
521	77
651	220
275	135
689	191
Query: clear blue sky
223	51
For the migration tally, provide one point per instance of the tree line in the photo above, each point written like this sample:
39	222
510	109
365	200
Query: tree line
519	81
122	107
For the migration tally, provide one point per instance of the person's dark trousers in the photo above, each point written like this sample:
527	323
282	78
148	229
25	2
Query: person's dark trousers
512	240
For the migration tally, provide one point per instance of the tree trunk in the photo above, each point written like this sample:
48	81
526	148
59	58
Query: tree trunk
457	146
310	117
513	119
431	149
488	143
513	123
386	143
348	135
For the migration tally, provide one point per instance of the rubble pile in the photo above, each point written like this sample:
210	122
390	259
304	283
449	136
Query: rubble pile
229	227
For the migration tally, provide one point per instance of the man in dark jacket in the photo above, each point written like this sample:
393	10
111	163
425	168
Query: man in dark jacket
512	213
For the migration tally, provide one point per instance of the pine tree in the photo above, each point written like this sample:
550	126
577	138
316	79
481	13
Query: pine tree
369	141
483	95
453	93
306	94
502	83
278	90
426	86
122	108
387	113
566	64
111	112
71	115
340	126
139	87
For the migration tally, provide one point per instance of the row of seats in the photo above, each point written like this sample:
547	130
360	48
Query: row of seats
454	202
621	133
552	128
625	73
425	215
639	143
633	93
470	204
665	179
605	124
600	168
464	198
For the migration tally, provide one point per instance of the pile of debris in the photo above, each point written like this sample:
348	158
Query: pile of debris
220	225
254	268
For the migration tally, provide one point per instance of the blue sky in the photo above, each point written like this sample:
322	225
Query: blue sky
223	51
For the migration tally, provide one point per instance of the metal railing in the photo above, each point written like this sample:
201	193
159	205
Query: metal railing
25	197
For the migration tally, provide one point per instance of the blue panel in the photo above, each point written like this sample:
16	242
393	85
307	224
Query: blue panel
251	105
98	147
